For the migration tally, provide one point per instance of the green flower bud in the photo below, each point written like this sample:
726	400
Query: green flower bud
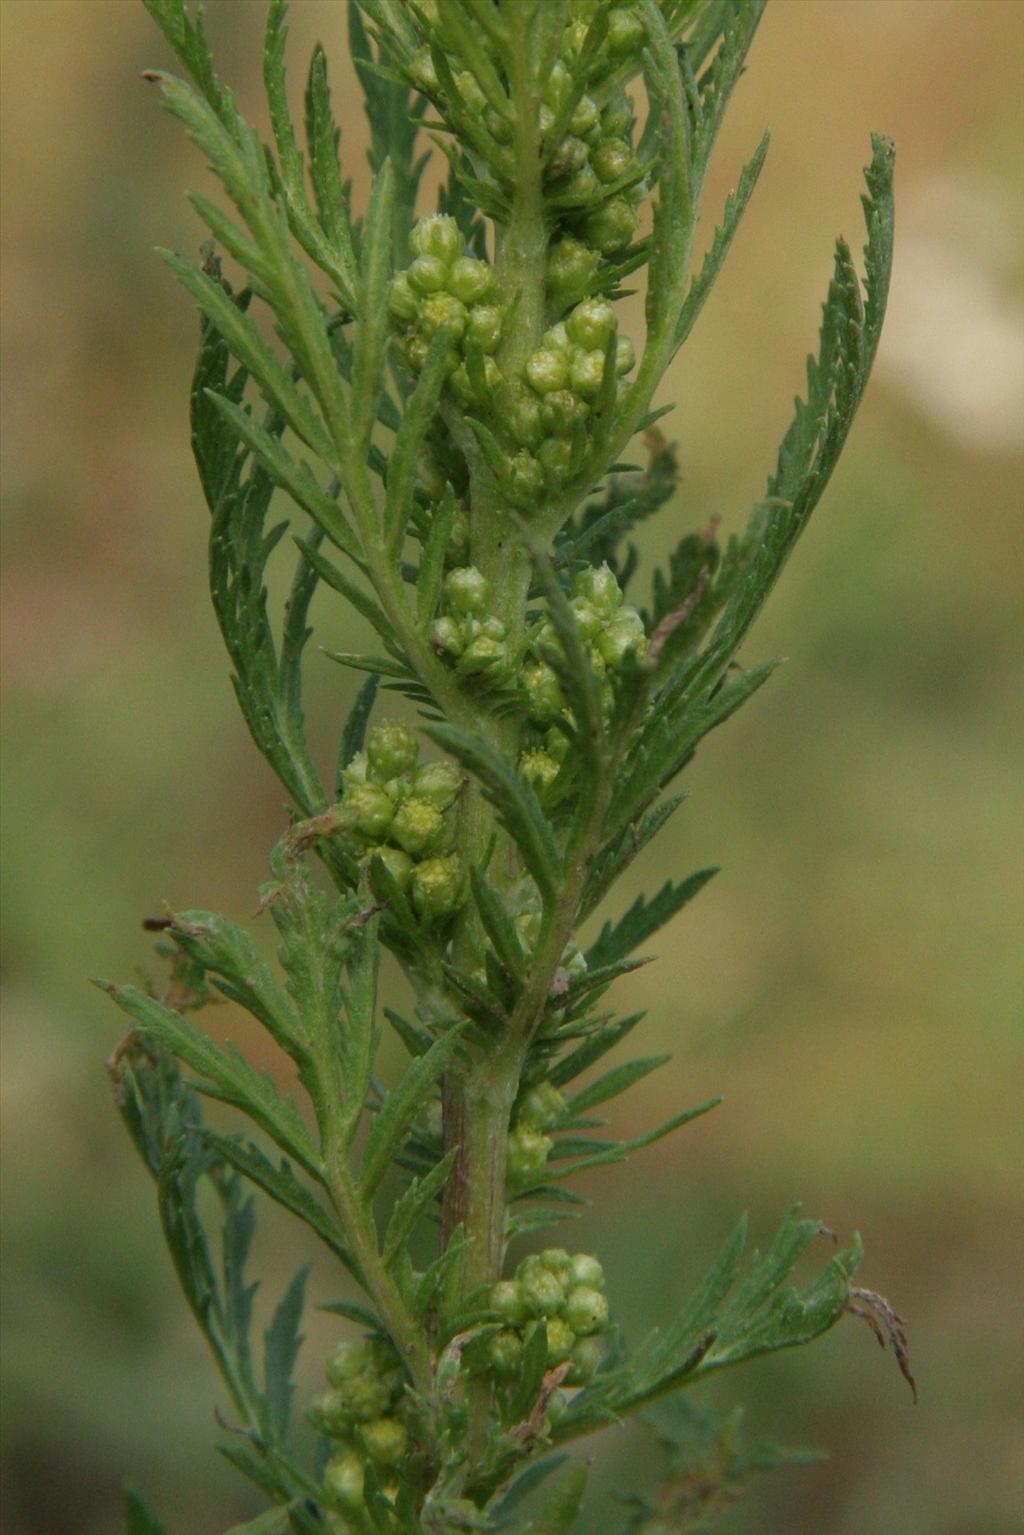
331	1414
423	72
485	321
446	636
390	751
556	743
586	1270
586	1357
617	116
588	619
465	387
544	697
542	1293
558	1405
467	590
528	928
498	126
528	1152
417	827
438	783
483	654
574	37
505	1352
539	770
562	411
428	274
625	356
611	226
384	1441
571	157
556	458
368	810
598	586
543	1106
343	1478
626	33
557	338
437	887
586	1310
458	542
507	1299
347	1361
414	351
519	411
527	476
560	1339
624	634
588	374
585	117
590	324
571	265
547	370
398	864
558	86
472	96
470	280
443	312
437	235
581	187
403	301
612	159
557	1261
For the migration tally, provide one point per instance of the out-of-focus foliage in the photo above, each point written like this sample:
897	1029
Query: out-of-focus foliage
861	944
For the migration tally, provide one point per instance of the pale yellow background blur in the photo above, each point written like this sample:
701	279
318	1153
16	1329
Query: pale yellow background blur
852	979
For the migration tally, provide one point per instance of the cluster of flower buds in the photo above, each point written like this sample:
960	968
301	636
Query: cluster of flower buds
466	633
445	290
546	414
361	1413
611	630
564	1295
400	812
536	1111
594	177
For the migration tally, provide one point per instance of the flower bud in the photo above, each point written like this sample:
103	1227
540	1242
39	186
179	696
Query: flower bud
585	117
528	928
624	634
331	1414
347	1361
470	280
625	356
539	770
384	1440
437	887
446	636
343	1478
423	72
403	301
590	324
505	1352
498	126
528	1153
598	586
571	265
547	370
368	810
588	619
483	654
527	476
588	374
612	159
520	411
390	751
543	1106
543	1294
560	1340
544	697
558	86
467	590
468	88
485	327
438	783
611	226
586	1270
437	235
417	827
562	411
398	864
586	1356
626	32
581	186
569	158
558	1404
586	1310
506	1298
556	458
440	311
467	388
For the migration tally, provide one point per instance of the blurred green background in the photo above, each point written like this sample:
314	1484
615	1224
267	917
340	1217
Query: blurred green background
852	979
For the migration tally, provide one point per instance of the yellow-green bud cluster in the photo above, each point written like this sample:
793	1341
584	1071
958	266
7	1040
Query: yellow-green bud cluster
362	1414
401	812
466	634
536	1111
565	1296
611	630
444	289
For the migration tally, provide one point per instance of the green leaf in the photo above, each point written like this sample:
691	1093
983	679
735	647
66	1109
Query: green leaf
400	1107
420	412
593	1047
373	328
322	136
619	851
354	733
735	207
518	807
276	1521
620	1151
562	1505
282	1185
643	918
140	1520
188	39
616	1081
498	925
413	1204
431	572
339	582
228	955
224	1074
281	1344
